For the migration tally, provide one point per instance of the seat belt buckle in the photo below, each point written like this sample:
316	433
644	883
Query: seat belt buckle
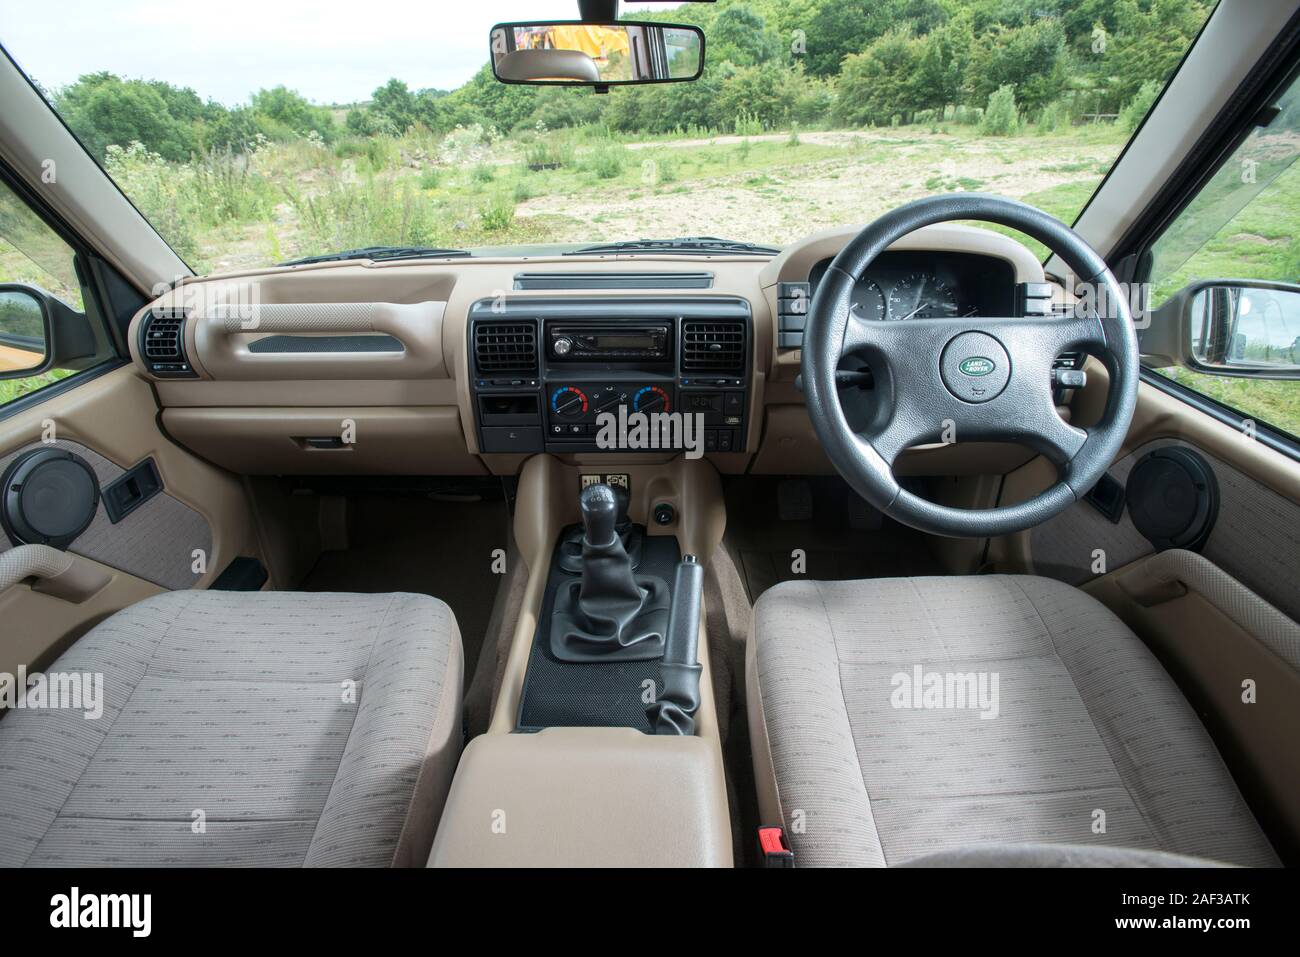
773	848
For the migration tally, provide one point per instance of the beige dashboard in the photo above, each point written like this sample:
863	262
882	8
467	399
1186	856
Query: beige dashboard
403	398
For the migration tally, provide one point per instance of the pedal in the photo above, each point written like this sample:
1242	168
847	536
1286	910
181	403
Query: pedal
864	517
794	501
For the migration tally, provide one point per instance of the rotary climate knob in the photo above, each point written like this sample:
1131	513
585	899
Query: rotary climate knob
562	346
569	402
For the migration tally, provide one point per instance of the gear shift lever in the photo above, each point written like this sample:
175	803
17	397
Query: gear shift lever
571	546
610	614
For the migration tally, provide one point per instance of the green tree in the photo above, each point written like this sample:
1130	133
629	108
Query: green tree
877	84
1030	59
484	99
395	105
740	35
104	110
283	112
1149	44
942	64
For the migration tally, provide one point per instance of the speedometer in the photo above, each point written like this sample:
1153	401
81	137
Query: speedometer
921	296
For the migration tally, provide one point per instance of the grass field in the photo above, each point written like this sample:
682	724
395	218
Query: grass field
472	188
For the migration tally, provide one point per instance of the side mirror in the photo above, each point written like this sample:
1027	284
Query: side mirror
25	338
577	53
1229	327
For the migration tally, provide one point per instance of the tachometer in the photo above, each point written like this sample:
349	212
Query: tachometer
921	296
868	300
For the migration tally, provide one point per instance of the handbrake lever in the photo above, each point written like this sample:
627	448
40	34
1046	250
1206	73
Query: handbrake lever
673	712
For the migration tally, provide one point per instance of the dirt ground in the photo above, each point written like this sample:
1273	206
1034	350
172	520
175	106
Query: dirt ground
878	172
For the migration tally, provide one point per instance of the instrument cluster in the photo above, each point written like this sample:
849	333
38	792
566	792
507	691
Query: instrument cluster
930	285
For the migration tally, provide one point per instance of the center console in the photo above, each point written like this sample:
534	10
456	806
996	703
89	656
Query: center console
543	371
604	746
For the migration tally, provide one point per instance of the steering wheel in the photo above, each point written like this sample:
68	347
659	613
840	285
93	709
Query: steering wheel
966	379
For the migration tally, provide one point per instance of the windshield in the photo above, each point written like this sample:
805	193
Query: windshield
281	131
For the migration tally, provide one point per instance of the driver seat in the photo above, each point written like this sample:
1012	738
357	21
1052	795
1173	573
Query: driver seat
1082	739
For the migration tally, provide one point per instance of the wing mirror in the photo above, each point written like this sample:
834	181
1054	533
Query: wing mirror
24	332
1229	327
39	332
578	53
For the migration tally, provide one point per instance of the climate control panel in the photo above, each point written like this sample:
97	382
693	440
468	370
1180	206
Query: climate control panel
574	408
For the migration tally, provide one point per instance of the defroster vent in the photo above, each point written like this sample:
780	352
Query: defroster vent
505	347
713	346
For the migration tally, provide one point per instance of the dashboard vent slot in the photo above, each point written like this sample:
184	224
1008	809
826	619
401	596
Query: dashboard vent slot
505	347
713	347
162	343
619	280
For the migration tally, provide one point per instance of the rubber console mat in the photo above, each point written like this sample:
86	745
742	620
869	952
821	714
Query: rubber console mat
559	694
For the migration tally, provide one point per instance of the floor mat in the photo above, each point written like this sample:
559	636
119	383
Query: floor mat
832	548
412	543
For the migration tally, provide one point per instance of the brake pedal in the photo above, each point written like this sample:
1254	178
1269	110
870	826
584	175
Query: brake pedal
794	501
862	516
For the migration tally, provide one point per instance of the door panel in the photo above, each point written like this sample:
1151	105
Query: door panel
111	421
1256	538
155	541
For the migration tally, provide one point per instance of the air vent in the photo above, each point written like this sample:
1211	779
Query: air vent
713	347
162	344
619	280
505	347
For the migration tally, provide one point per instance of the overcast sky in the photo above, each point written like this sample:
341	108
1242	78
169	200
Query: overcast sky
332	51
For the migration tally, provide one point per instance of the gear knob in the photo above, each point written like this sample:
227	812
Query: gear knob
600	512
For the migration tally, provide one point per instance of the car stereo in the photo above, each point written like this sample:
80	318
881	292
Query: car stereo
608	343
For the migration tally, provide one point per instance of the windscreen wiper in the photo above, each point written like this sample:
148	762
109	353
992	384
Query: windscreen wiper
380	253
687	244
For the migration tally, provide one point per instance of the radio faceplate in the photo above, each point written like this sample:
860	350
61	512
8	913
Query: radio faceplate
567	342
614	355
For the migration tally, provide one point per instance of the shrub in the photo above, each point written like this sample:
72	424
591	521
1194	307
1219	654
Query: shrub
429	178
549	152
1136	109
498	214
747	124
157	190
524	191
606	159
1053	116
1001	117
223	188
482	173
376	211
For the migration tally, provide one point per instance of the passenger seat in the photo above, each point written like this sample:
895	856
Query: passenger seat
243	729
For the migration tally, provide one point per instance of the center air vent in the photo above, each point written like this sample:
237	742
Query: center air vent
162	343
713	346
505	347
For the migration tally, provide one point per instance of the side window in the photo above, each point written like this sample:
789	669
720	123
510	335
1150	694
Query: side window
45	329
1244	224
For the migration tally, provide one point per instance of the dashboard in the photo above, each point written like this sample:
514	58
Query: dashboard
467	367
929	285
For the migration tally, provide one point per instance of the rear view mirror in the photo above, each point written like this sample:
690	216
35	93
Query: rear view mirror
576	53
24	332
1230	327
